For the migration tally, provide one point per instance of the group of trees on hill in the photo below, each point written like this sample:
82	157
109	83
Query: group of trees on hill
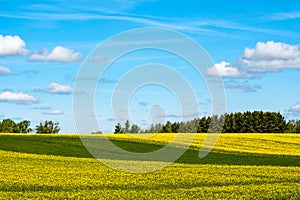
293	126
134	128
46	127
240	122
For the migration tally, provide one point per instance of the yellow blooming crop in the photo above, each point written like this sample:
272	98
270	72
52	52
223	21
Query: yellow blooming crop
241	166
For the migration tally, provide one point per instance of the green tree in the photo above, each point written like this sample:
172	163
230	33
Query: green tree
202	125
247	122
127	126
175	127
281	123
97	132
296	127
257	122
135	129
214	125
293	126
48	127
207	125
24	126
227	124
9	126
239	122
232	123
157	128
167	128
118	129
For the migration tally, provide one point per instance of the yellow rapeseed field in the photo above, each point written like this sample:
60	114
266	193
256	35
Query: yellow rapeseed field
241	166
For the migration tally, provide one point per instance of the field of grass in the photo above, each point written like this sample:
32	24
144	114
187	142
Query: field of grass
241	166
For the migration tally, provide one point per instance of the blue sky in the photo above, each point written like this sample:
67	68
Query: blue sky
255	46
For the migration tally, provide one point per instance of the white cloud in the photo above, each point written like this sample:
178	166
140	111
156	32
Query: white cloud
293	111
5	71
265	57
58	54
12	45
223	69
18	98
295	108
271	50
54	112
56	88
271	56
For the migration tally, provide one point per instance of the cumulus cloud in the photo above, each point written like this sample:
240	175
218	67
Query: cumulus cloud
17	98
54	112
5	71
271	56
295	108
12	45
265	57
271	50
223	69
58	54
55	88
293	111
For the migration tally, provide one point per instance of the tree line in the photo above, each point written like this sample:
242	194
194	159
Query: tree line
134	128
46	127
239	122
